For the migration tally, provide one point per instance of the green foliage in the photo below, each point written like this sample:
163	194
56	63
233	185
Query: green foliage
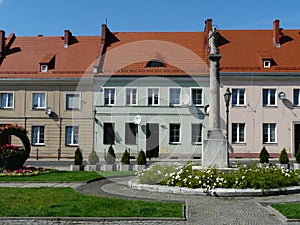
93	157
78	157
298	155
289	210
141	159
110	157
125	157
264	156
245	177
283	158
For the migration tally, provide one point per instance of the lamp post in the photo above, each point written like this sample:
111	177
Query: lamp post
227	97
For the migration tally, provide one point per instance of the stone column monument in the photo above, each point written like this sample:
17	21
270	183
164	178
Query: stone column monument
214	151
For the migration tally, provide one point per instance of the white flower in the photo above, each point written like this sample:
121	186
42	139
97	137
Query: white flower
243	177
190	176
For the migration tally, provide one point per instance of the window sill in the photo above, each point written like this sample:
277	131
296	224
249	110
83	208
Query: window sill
174	143
197	143
270	143
72	145
8	108
239	143
37	144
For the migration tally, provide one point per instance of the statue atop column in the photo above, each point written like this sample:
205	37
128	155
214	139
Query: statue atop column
213	42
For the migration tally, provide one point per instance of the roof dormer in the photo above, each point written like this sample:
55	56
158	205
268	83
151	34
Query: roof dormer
47	63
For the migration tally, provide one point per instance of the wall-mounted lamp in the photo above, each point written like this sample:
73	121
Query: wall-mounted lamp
281	95
206	110
49	111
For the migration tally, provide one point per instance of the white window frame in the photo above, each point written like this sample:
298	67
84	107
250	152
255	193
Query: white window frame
175	142
238	100
38	142
269	133
73	134
153	95
298	89
238	131
131	99
267	63
269	97
6	100
79	100
196	142
180	94
202	95
44	68
39	100
114	96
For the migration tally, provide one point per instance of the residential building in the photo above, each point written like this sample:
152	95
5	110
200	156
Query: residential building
47	87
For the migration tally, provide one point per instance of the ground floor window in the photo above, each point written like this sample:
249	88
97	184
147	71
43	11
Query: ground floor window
72	133
238	133
38	134
269	133
196	133
174	133
108	133
130	133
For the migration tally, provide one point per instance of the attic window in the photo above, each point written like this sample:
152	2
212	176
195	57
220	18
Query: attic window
155	63
267	63
44	68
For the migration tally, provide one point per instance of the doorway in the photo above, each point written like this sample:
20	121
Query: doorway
296	137
152	142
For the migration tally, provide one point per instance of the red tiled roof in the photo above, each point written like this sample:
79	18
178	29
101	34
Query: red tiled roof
182	52
244	51
26	53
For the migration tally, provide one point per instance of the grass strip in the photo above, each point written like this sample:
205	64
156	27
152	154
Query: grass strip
65	176
65	202
289	210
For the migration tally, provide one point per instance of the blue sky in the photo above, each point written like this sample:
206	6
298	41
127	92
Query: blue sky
84	17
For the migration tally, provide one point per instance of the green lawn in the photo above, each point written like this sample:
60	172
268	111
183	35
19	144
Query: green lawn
289	210
65	202
66	176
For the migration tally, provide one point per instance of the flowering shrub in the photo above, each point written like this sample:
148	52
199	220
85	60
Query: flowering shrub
245	177
12	126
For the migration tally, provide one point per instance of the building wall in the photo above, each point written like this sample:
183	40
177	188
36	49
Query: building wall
284	114
119	114
55	125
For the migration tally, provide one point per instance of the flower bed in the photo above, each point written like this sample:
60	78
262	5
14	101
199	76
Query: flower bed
26	171
265	177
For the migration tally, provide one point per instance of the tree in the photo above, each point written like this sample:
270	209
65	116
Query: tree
110	157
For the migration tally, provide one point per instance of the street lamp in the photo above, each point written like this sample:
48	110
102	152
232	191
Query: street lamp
227	97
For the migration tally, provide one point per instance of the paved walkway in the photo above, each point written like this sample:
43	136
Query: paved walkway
199	209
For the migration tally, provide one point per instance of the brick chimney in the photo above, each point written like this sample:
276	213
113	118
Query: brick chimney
276	31
67	38
208	27
103	34
2	42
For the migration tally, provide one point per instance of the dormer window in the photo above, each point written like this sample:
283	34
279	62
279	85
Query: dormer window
44	68
155	63
267	63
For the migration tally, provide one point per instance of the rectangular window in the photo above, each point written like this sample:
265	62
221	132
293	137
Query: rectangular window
130	133
175	94
238	97
269	97
38	101
7	100
108	133
269	133
109	96
72	133
153	96
238	133
296	97
196	133
131	96
197	96
174	133
72	101
38	134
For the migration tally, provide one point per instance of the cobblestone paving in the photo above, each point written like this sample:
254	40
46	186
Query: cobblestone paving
199	209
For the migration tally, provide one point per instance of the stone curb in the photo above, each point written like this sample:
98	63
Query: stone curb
217	192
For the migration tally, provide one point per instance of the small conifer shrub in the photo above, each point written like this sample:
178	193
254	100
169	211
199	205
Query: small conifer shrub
298	155
283	158
125	157
264	156
93	157
141	159
110	157
78	157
